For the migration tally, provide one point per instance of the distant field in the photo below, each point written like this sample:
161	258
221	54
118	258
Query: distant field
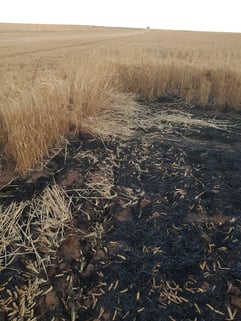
54	77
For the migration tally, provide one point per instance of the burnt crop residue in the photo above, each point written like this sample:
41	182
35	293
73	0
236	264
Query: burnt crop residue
156	226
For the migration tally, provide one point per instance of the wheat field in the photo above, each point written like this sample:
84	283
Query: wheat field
53	78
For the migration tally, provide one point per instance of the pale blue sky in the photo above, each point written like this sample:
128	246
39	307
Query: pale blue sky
207	15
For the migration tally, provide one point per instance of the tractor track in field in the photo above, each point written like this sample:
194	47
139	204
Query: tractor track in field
78	44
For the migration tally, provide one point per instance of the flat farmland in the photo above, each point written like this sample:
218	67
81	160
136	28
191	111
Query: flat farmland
17	40
69	66
119	174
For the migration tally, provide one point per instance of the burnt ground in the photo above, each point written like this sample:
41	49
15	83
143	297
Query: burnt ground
156	231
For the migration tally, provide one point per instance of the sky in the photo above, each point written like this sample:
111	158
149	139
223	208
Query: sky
204	15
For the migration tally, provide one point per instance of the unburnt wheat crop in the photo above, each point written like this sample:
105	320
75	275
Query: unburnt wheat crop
59	76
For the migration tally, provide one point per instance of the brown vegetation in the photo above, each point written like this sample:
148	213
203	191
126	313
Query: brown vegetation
54	77
156	174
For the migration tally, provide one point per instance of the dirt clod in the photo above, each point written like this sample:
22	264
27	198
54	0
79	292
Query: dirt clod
89	271
70	249
99	255
236	301
51	300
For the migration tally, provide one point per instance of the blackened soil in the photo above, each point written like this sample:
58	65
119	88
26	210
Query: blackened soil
169	208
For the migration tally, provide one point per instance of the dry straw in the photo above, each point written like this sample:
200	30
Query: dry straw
50	90
31	232
31	227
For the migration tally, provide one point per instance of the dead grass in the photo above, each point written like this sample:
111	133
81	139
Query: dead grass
54	78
